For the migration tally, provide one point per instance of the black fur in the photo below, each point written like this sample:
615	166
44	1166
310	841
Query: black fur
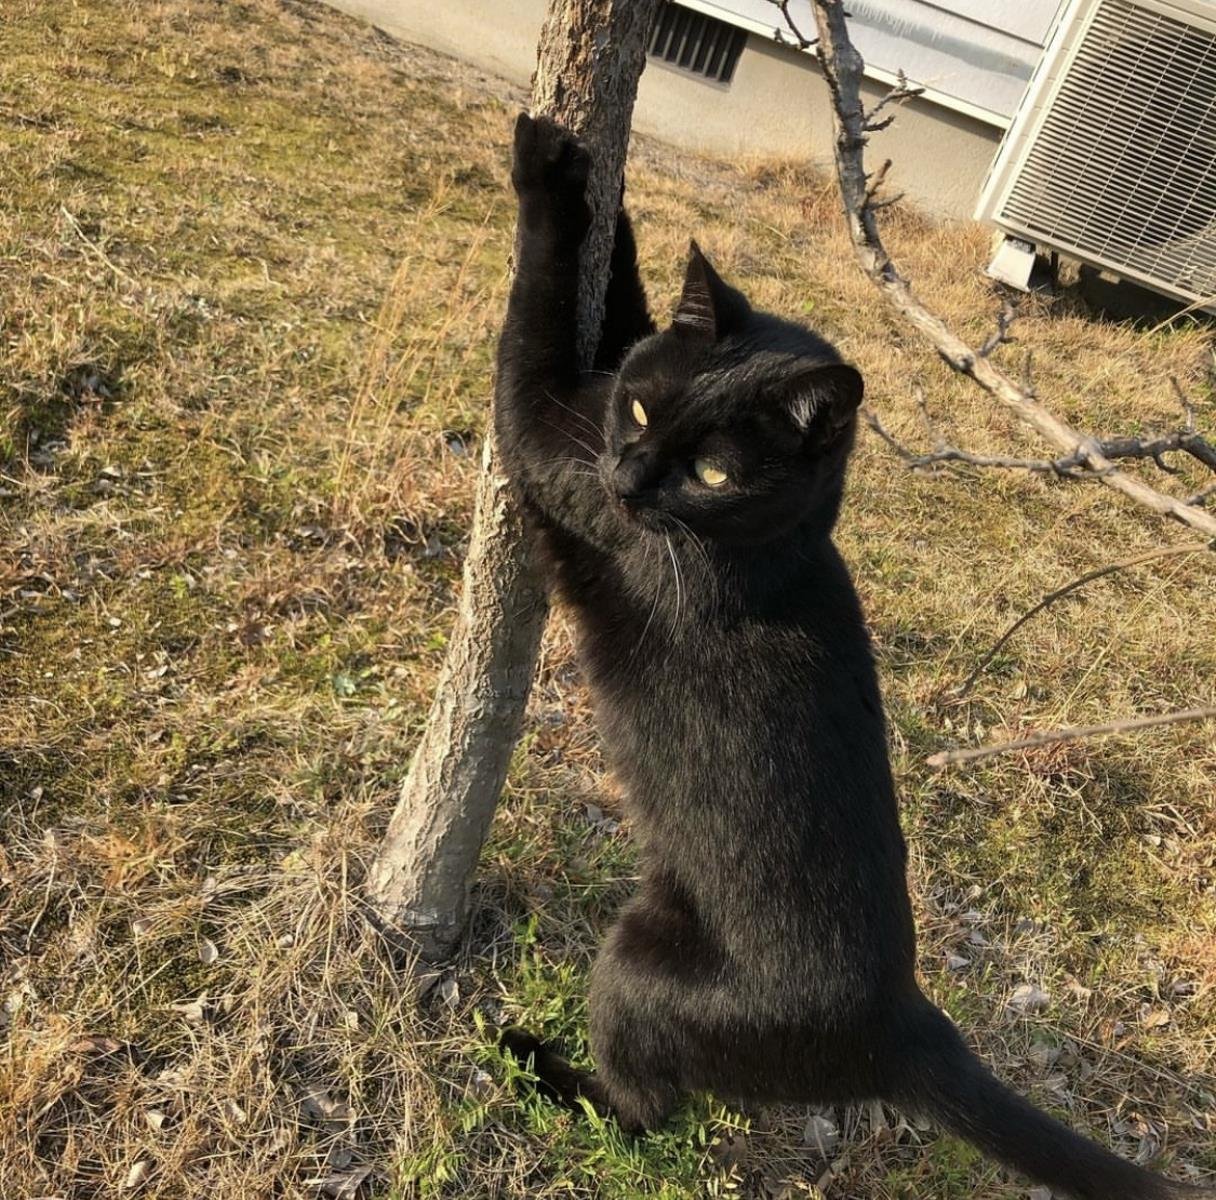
770	952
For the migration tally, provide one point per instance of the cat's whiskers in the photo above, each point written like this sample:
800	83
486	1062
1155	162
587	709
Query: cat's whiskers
710	575
675	567
570	458
573	437
586	420
654	608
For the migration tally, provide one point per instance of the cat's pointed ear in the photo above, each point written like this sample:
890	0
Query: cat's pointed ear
707	304
822	402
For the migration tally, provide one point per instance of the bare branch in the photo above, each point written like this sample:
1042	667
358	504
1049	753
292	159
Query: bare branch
803	42
842	68
1068	466
1046	737
1202	496
943	454
902	91
1068	589
1004	322
876	181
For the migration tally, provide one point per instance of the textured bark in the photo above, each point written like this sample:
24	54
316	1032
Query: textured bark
590	58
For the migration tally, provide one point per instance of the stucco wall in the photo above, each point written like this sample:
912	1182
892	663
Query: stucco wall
776	105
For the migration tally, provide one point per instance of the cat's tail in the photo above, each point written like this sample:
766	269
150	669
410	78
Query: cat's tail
940	1077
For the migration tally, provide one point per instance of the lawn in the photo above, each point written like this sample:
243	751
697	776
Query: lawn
252	261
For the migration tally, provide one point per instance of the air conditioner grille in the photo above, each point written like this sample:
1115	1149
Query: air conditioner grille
1124	166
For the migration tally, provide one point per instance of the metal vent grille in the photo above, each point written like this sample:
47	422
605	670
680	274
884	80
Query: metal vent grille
1123	168
696	43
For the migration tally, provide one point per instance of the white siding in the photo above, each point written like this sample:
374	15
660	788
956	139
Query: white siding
974	54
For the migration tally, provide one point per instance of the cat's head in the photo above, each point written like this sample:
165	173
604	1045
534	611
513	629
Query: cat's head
732	423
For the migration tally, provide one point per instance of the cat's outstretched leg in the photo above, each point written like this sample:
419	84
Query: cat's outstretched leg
538	350
630	1044
640	1030
543	428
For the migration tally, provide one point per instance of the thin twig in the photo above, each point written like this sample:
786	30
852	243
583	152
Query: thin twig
897	95
804	43
879	178
1069	466
842	68
1080	581
1046	737
95	248
1004	322
952	454
1202	496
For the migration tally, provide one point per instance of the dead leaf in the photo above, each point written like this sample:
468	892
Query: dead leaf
1027	998
317	1103
155	1119
342	1185
1044	1055
208	952
821	1135
730	1151
449	992
1154	1018
195	1011
95	1044
138	1173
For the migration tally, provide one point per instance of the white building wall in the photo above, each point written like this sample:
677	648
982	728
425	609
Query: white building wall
776	105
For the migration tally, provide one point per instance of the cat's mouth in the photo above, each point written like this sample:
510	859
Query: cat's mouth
646	516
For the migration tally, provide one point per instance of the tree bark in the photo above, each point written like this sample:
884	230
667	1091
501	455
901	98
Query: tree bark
590	57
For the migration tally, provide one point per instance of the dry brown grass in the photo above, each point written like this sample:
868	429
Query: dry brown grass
238	466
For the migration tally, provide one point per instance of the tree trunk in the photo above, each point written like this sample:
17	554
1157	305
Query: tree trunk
590	58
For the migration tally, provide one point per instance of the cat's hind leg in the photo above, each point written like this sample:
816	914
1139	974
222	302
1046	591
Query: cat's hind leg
626	314
623	1087
556	1078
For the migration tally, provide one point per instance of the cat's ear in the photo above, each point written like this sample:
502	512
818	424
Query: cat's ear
707	304
822	402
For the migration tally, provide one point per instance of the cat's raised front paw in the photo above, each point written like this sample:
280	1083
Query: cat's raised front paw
548	159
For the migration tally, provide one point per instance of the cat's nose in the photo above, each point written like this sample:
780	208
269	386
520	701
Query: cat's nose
632	478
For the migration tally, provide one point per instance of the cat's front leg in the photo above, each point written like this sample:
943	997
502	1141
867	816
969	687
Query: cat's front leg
538	352
548	432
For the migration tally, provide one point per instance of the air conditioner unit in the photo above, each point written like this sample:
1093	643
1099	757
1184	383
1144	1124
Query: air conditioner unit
1111	156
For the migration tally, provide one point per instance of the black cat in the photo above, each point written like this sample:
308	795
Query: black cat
684	495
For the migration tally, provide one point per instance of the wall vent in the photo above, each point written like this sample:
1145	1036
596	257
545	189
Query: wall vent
696	43
1111	157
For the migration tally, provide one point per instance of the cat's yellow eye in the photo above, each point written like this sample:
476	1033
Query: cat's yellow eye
639	414
708	474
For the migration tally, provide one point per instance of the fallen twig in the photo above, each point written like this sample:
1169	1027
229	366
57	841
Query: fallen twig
1080	581
1046	737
